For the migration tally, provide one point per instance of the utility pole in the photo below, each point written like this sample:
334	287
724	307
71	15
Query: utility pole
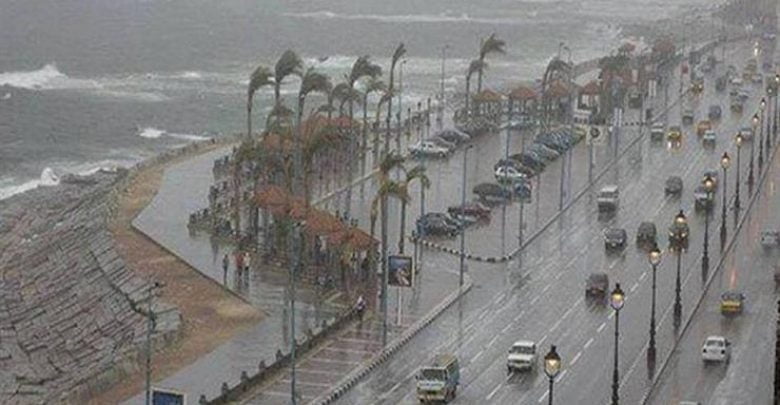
150	326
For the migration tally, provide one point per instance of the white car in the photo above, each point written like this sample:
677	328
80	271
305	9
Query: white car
770	239
709	137
521	357
509	173
736	81
716	348
428	148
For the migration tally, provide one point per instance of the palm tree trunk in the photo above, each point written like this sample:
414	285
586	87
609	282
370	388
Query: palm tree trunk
383	202
298	150
350	160
364	141
403	228
479	75
249	117
468	94
389	111
237	194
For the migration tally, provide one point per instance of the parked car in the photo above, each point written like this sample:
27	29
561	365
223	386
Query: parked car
529	161
709	138
732	303
615	238
521	357
428	148
716	348
673	185
436	226
473	209
492	193
597	285
454	136
544	151
508	174
522	190
646	234
450	146
517	166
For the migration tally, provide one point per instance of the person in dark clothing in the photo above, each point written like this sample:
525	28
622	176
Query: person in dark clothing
225	264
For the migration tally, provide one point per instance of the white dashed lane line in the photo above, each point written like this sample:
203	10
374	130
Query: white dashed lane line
603	325
588	343
492	393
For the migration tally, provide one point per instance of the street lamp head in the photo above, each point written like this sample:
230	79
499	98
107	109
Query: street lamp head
777	78
709	183
552	363
725	160
655	255
680	218
738	139
617	298
763	103
755	120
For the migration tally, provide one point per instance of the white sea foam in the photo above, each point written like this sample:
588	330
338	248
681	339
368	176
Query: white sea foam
154	133
408	18
151	133
47	178
7	96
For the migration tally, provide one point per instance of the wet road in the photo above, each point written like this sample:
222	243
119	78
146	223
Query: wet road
543	299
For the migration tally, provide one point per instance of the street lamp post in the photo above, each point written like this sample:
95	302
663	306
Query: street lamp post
738	140
777	113
768	133
761	108
440	109
680	235
552	366
751	179
709	186
150	325
725	162
616	301
463	209
655	259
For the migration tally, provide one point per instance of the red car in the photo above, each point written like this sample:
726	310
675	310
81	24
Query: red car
472	209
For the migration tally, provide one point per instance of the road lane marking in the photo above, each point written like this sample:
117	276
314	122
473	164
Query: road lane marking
611	315
576	357
556	325
560	377
543	397
588	343
476	356
603	325
493	392
542	340
492	341
642	277
517	318
506	328
533	301
547	287
633	287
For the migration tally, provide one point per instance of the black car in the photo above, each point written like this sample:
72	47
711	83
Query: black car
646	234
597	285
436	225
615	238
529	160
492	193
523	190
674	185
715	112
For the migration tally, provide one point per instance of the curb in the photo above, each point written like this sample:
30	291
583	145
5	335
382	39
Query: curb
349	381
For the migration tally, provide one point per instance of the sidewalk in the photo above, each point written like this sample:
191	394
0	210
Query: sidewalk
164	220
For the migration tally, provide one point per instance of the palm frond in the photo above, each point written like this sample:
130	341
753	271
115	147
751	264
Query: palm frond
262	76
391	161
400	51
363	67
288	64
491	45
418	173
314	82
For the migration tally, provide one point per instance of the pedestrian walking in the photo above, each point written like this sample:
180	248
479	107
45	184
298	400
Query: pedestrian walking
247	263
225	265
239	262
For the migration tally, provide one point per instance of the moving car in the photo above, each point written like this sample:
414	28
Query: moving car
444	143
709	138
454	136
716	348
646	234
615	238
702	127
770	239
715	112
679	241
428	148
747	133
521	357
608	198
674	134
436	225
508	174
439	381
702	199
673	185
731	303
688	116
472	209
657	132
736	105
597	285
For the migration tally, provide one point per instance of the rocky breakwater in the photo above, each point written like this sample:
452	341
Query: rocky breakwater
72	314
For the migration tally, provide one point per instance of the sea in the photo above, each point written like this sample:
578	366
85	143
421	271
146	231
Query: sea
91	84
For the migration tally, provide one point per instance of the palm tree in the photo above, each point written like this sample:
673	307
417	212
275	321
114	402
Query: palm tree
400	51
386	189
338	92
311	82
475	66
288	64
386	96
360	69
556	69
261	77
491	45
416	173
373	85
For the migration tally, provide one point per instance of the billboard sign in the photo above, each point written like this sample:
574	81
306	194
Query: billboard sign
162	396
399	271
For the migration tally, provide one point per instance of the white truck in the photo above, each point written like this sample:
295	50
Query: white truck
608	198
521	357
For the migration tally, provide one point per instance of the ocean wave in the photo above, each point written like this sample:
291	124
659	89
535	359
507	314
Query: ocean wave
409	18
45	78
47	178
154	133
